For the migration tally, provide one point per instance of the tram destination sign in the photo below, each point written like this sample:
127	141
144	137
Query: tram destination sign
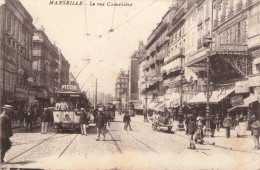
68	88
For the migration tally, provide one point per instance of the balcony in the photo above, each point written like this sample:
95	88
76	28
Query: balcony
172	66
232	49
174	54
172	82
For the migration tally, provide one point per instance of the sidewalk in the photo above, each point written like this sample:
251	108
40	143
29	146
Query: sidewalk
18	125
243	144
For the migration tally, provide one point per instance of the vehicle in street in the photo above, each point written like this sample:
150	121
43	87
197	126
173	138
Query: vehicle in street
112	111
162	122
67	118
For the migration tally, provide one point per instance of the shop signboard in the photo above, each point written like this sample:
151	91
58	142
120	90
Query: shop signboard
254	81
69	87
257	93
236	100
242	87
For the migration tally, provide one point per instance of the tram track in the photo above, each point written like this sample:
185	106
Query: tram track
38	144
67	146
117	146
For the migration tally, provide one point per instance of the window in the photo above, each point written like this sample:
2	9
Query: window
37	51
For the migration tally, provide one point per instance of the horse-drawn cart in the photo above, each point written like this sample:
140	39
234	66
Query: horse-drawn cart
160	122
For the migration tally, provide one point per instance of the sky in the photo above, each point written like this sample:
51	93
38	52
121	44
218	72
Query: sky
68	28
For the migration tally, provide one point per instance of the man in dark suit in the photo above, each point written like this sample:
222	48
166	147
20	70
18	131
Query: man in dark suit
101	124
5	131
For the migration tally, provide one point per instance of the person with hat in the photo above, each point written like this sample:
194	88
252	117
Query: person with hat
44	120
28	118
82	121
227	123
127	121
5	131
100	124
255	131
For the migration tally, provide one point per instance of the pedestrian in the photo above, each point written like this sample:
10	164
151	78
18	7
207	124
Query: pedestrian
82	121
217	120
186	125
127	121
21	114
227	123
95	112
5	132
255	132
108	118
100	124
44	121
191	130
28	118
145	116
212	125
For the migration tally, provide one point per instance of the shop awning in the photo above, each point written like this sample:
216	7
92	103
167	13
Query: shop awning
252	98
151	105
216	97
160	106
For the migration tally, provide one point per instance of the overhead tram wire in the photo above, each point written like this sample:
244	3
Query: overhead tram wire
85	13
127	21
112	30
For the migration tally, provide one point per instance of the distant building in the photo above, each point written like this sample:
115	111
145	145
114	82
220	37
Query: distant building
122	87
134	72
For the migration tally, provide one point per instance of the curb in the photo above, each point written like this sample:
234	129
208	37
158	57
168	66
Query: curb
206	142
20	126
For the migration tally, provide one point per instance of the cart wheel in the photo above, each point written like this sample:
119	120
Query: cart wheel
169	129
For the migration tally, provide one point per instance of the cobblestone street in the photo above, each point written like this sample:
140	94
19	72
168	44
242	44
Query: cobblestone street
121	149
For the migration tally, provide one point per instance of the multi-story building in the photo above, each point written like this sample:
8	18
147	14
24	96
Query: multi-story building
50	66
64	68
156	50
16	32
207	41
122	88
45	65
174	64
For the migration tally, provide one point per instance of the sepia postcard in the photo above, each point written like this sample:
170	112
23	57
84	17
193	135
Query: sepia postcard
129	84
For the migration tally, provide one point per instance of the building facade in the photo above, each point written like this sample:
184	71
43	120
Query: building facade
134	72
16	32
50	66
214	41
122	88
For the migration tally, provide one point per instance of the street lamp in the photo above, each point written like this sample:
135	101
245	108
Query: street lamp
146	98
207	89
180	124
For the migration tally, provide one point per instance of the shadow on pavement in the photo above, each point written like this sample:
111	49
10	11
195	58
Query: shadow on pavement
21	162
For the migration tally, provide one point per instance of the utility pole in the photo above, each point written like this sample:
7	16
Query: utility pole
96	95
146	98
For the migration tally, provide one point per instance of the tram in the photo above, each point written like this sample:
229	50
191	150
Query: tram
66	113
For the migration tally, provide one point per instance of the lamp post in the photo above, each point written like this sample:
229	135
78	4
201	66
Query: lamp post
180	124
146	98
207	88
